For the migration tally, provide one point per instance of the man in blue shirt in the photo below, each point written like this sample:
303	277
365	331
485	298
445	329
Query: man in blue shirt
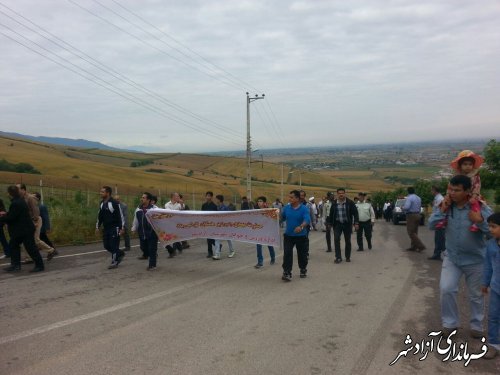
464	255
297	219
412	207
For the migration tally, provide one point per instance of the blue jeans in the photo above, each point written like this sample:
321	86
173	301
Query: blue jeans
439	242
218	245
260	258
448	285
494	319
3	241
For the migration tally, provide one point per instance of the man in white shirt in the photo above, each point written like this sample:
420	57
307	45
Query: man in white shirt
175	205
366	221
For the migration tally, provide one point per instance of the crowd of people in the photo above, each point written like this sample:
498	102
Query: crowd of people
461	221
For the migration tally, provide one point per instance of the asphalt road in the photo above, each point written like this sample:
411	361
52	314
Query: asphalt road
198	316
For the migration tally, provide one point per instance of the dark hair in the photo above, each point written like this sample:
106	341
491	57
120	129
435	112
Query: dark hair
340	189
411	190
467	158
149	196
244	198
494	218
302	191
296	193
107	189
2	205
22	186
13	191
461	180
180	196
437	189
154	198
220	197
262	198
209	193
38	196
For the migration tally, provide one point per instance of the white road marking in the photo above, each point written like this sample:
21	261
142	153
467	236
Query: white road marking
73	255
98	313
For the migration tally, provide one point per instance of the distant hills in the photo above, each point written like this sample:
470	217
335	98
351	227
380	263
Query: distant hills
62	141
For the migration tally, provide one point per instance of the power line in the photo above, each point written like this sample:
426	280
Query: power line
274	127
153	46
186	47
113	72
113	88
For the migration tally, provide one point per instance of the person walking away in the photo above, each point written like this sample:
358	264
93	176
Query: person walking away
314	213
491	281
464	255
366	216
3	239
148	239
439	233
262	203
412	209
297	219
126	234
110	217
219	200
45	229
21	231
343	216
209	205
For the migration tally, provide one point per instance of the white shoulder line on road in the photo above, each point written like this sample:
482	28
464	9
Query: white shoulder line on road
73	255
98	313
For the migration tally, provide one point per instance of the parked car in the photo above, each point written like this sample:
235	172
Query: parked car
398	215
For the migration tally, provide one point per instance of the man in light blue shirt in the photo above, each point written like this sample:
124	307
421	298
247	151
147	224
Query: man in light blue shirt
464	255
411	208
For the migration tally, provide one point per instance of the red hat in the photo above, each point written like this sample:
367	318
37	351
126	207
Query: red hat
478	159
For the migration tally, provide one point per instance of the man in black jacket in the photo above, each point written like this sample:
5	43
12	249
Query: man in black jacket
21	231
147	236
111	218
209	205
343	215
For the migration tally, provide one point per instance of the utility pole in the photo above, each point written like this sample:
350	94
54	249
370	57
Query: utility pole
249	145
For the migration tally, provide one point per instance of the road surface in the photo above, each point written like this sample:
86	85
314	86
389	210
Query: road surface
194	315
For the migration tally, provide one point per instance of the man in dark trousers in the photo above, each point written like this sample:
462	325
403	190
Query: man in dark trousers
45	229
147	236
343	215
209	205
21	231
111	218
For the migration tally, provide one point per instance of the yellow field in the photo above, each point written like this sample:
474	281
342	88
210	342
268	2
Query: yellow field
88	169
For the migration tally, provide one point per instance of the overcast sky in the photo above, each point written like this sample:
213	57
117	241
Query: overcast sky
333	72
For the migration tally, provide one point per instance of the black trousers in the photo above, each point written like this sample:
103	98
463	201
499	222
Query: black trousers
346	229
366	227
45	238
211	244
172	248
111	242
300	242
149	247
28	240
328	235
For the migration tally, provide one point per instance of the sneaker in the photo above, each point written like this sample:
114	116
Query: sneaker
216	257
37	269
113	266
272	262
120	257
12	269
286	277
360	250
369	246
151	268
51	255
258	265
231	254
303	274
142	257
337	261
348	260
210	255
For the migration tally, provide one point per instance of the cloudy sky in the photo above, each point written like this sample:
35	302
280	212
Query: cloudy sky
172	75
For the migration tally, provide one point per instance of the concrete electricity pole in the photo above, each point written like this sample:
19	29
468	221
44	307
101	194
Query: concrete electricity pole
249	145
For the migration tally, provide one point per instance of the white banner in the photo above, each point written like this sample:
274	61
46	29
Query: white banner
254	226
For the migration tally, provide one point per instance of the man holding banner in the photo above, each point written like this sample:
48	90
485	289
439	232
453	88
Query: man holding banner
297	218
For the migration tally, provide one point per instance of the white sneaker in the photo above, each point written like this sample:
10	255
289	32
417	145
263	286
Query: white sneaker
216	257
231	254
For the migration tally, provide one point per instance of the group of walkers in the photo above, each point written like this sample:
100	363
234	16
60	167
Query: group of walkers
461	220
